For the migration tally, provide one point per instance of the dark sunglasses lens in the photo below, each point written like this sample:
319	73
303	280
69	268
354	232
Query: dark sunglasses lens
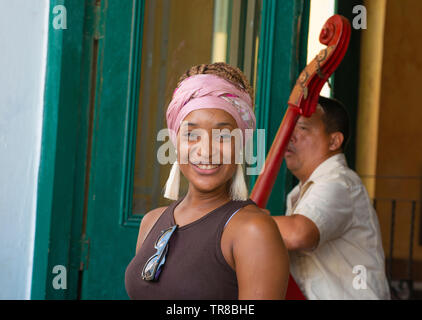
148	271
157	273
164	238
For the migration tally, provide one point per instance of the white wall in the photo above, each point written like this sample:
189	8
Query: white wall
23	50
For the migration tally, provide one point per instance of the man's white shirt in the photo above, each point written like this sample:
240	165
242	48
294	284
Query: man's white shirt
348	262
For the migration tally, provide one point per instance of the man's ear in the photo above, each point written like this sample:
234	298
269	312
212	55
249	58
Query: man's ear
336	140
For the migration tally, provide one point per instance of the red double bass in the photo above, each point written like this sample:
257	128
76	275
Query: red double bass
303	100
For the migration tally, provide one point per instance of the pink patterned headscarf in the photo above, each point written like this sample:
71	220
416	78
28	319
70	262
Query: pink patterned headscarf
208	91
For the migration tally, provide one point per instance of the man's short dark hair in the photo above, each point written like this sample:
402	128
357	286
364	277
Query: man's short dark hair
335	118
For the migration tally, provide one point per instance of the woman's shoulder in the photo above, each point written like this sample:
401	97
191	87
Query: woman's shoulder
252	210
252	216
147	222
151	217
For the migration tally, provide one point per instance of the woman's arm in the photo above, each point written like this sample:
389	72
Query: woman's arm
260	257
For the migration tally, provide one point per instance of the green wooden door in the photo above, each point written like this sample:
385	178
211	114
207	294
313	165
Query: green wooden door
107	240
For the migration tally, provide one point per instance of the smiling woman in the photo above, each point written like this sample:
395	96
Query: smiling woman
208	160
210	101
222	246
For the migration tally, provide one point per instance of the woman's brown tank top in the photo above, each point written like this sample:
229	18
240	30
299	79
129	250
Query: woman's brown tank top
195	267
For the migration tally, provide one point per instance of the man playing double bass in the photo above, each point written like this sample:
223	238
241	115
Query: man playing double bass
330	229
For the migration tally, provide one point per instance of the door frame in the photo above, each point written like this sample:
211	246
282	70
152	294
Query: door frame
282	56
346	79
63	149
73	70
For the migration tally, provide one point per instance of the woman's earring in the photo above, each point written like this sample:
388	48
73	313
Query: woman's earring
173	182
239	189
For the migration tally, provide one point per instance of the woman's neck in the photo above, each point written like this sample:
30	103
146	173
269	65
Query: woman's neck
198	199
